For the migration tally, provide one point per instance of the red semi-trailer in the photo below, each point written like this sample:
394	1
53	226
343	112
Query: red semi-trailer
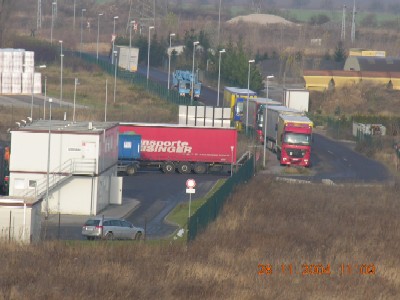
184	148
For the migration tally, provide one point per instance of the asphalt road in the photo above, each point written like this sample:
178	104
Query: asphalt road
158	194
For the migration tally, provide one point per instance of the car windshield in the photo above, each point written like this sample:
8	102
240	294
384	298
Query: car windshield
297	139
92	223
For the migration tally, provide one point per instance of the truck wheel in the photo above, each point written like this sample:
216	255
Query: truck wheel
168	168
131	170
200	168
184	168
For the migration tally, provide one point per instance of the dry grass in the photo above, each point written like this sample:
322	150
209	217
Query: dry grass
276	224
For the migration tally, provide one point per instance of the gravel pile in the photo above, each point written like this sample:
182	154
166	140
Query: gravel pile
261	19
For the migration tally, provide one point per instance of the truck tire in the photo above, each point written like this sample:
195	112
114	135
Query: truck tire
184	168
200	168
168	168
131	170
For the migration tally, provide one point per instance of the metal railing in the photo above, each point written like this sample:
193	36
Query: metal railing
60	175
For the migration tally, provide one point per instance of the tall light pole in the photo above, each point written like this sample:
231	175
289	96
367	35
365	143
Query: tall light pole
148	55
73	114
45	96
130	44
113	41
192	81
219	22
105	108
52	22
169	57
269	77
80	50
248	95
115	74
232	148
48	162
98	34
61	73
73	25
219	73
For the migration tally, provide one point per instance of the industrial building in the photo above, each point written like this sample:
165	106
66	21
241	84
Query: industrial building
360	67
72	166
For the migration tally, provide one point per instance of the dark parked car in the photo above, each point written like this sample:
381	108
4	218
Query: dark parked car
110	229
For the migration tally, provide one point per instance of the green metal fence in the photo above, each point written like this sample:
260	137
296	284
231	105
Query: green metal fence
155	88
209	211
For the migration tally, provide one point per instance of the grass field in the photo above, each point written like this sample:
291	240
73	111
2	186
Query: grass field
341	230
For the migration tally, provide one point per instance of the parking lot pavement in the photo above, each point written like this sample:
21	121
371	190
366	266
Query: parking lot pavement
112	210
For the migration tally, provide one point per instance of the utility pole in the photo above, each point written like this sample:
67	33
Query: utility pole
39	16
343	33
353	23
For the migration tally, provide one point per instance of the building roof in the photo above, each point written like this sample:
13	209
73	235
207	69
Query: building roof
16	201
370	63
67	126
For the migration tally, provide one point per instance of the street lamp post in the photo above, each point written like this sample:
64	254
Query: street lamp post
248	95
61	73
73	114
45	96
48	161
105	108
130	44
148	55
113	41
269	77
192	81
219	73
219	22
83	10
52	22
232	148
265	133
115	74
98	34
73	25
169	57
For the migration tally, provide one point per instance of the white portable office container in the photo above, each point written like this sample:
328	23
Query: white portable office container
82	164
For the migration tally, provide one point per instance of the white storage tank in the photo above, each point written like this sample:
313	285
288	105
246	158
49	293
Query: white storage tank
6	82
26	83
16	83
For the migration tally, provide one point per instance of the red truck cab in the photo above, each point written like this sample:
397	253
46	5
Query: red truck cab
294	141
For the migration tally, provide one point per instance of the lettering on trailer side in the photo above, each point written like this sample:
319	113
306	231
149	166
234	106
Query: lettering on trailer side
166	146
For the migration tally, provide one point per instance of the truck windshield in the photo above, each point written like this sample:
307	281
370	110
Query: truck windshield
239	108
297	139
